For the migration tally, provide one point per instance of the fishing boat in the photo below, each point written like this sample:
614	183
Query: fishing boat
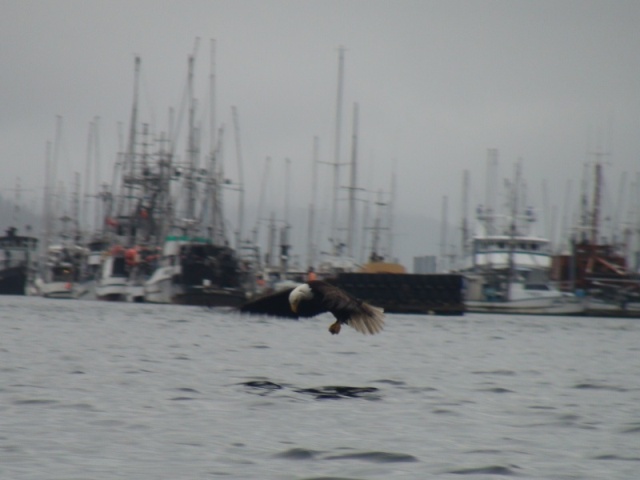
510	275
17	254
600	273
64	273
194	271
197	265
507	265
599	268
495	295
122	273
112	280
138	211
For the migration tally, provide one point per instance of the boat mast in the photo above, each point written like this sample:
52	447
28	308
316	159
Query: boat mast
46	210
443	235
512	230
239	230
597	189
336	158
311	247
287	176
57	187
214	216
353	184
84	217
222	233
465	214
365	228
390	208
16	204
212	100
191	153
49	210
75	209
490	199
98	210
284	232
129	167
263	191
375	241
271	241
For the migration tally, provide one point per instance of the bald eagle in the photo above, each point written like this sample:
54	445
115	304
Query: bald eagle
316	297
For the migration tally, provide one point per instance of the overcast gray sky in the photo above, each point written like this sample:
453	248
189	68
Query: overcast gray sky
437	83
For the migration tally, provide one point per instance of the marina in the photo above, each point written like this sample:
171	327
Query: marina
160	234
160	231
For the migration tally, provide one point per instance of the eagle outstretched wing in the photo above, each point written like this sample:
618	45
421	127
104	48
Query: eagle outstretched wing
320	297
277	304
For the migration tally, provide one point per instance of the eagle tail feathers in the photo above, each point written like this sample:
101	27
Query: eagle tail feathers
369	321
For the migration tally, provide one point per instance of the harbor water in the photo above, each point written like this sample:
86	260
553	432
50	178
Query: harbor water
94	391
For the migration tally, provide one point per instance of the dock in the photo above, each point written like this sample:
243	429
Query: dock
436	294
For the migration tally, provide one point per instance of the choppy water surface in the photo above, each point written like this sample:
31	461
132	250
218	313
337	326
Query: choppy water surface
104	391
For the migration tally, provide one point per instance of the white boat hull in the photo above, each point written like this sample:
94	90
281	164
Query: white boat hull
539	299
77	290
600	308
56	289
112	289
159	288
527	307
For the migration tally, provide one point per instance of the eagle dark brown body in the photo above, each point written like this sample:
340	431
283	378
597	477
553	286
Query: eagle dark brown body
316	297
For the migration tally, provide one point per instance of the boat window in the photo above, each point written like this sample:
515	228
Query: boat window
119	267
501	245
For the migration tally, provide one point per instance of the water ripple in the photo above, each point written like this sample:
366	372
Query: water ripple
599	386
330	478
616	457
489	470
396	383
633	428
495	372
35	401
262	387
298	454
376	457
496	390
266	387
187	390
339	392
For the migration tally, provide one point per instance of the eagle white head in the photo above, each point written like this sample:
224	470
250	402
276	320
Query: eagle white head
301	292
